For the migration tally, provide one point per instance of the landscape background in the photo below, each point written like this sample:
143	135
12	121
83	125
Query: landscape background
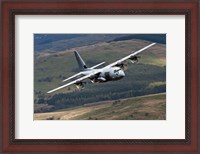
139	95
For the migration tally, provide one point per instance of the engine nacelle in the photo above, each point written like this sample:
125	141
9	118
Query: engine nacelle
134	59
101	79
123	66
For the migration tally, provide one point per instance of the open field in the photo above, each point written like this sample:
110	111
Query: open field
148	107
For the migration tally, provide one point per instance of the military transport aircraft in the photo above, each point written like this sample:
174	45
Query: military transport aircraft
111	72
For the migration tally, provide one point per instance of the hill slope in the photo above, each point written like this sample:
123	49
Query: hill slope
62	42
149	107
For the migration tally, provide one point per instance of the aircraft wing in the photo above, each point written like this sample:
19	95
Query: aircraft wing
75	81
72	76
129	56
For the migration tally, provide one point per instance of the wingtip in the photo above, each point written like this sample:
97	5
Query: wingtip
152	44
64	80
49	91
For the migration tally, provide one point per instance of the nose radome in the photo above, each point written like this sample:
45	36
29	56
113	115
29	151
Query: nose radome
122	73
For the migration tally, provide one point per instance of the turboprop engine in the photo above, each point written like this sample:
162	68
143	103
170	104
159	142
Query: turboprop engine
134	59
123	65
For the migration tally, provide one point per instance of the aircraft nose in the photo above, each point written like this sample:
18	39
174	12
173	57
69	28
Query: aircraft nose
122	73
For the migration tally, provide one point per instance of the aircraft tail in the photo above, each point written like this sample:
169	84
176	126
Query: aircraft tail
81	64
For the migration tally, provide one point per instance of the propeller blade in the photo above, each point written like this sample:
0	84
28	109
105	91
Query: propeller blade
125	67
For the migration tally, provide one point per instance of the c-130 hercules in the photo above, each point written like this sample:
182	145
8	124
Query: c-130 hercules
111	72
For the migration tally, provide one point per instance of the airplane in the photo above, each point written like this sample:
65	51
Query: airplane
111	72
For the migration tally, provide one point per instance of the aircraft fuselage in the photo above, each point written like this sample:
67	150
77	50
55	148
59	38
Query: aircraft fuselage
106	74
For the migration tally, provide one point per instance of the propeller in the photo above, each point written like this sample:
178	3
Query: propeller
125	66
94	79
80	85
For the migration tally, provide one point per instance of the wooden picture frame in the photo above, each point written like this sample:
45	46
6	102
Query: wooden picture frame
12	8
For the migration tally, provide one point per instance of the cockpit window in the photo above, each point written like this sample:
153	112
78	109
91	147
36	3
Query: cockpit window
115	71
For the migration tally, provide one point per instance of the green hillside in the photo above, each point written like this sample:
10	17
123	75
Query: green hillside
149	107
61	42
146	77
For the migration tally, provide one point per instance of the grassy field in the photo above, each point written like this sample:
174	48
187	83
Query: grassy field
148	107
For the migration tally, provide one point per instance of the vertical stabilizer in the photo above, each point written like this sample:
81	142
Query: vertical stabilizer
81	63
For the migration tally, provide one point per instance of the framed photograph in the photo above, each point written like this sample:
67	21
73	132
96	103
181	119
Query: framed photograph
100	76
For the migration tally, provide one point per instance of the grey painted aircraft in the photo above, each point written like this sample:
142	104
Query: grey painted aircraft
111	72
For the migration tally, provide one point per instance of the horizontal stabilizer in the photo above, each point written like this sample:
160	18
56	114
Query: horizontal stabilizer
98	65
